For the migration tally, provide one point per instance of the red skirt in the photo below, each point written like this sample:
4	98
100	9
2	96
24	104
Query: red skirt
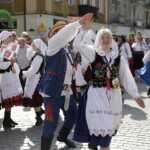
131	66
36	100
14	101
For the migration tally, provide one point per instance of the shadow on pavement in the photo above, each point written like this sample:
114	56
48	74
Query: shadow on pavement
19	138
136	113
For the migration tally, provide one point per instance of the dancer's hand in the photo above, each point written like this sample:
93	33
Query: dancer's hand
140	102
86	20
13	60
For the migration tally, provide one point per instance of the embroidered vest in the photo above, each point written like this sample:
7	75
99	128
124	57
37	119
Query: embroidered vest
99	71
53	79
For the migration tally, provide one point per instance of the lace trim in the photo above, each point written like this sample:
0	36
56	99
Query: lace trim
112	54
15	94
103	132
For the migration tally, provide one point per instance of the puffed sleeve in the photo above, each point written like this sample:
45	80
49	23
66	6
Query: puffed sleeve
35	66
85	49
63	37
127	79
128	50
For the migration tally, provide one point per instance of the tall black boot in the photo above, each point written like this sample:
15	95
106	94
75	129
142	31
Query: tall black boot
46	143
148	92
39	120
42	111
78	97
62	137
8	122
90	146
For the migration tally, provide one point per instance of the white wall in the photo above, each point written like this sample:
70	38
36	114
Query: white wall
20	24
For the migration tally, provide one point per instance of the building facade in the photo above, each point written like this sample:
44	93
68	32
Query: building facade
122	17
30	14
129	16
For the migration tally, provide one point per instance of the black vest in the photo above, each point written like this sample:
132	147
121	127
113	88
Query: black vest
99	71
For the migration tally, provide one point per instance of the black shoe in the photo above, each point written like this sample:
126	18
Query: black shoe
8	124
46	143
90	146
13	122
38	122
69	143
62	137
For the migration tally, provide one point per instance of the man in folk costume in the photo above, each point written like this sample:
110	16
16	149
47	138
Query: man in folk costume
56	82
11	90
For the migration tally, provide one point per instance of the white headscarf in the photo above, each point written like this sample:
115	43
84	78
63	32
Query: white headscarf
40	45
4	35
99	34
114	45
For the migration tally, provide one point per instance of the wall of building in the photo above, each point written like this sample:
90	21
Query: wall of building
31	6
20	23
34	21
45	11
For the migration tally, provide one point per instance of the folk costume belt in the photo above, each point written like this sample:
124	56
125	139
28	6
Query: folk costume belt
100	83
66	88
6	70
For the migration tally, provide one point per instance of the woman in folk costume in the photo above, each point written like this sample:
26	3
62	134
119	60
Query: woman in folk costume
131	40
32	98
11	90
100	109
139	50
124	48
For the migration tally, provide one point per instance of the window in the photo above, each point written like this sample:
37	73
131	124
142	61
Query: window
92	3
58	1
15	23
101	6
83	2
70	2
4	24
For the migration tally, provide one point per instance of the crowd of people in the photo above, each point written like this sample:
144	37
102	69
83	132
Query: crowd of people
77	71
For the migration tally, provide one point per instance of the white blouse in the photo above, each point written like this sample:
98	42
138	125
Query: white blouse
125	51
139	47
4	65
35	65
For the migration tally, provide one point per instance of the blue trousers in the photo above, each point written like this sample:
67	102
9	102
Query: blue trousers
52	108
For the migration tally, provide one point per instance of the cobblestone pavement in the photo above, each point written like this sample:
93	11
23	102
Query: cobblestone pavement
134	133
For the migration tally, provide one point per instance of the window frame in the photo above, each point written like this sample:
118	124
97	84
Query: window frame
83	2
101	6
